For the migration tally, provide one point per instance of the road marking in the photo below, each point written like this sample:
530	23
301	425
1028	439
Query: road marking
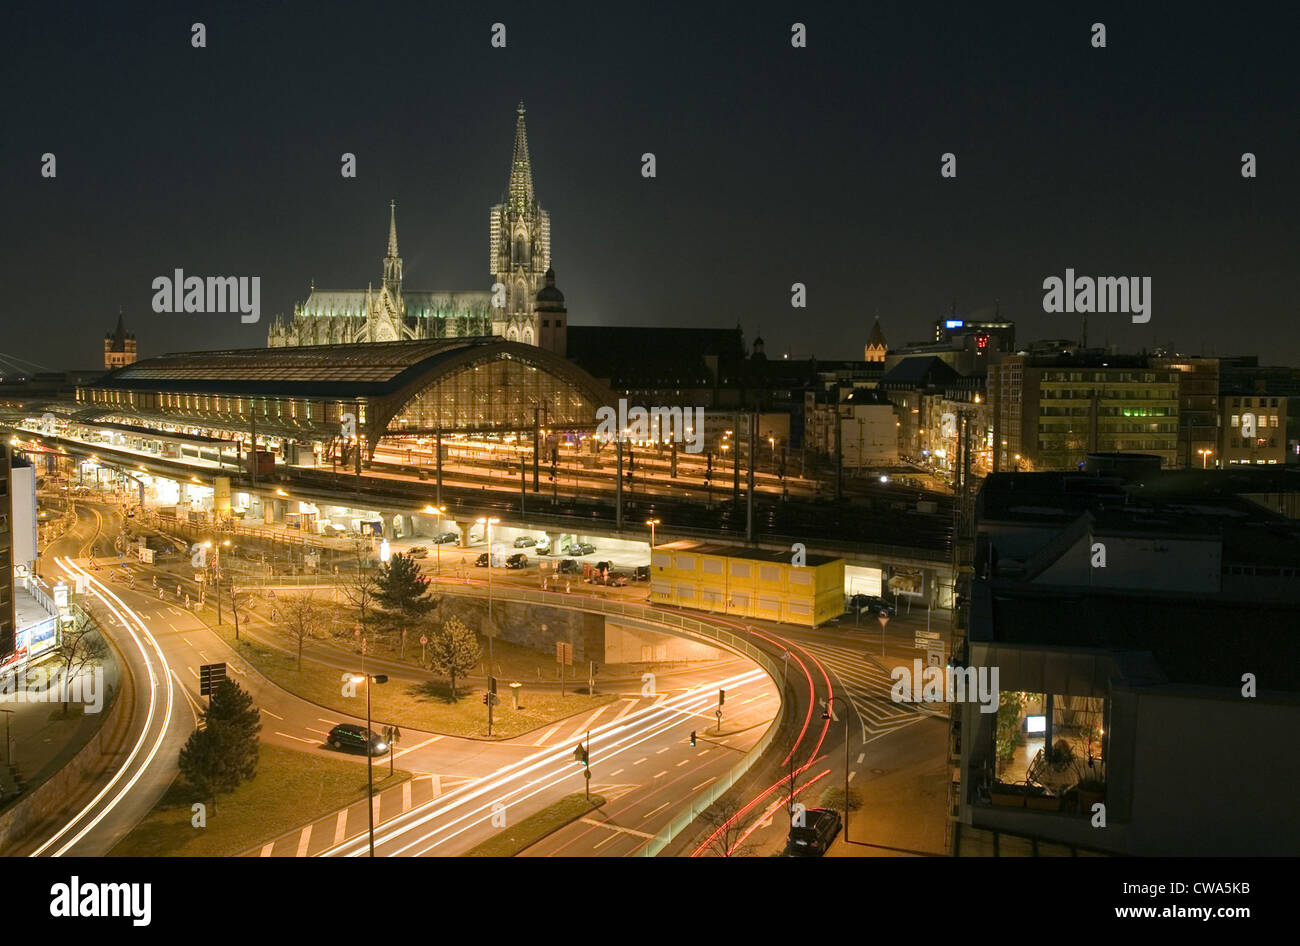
195	672
419	745
202	655
861	756
664	772
187	640
547	735
683	762
341	827
656	811
852	775
310	742
698	754
663	750
705	782
406	795
330	722
616	827
639	761
321	731
269	713
586	724
625	710
304	839
609	838
266	849
612	774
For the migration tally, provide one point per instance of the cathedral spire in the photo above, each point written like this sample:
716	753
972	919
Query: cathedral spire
393	262
521	169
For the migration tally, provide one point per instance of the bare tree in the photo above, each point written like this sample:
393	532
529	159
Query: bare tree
305	618
361	588
725	829
80	646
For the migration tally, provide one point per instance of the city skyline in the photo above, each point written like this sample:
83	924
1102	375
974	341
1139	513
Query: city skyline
790	165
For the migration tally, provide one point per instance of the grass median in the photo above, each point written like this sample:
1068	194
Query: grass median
532	829
417	704
290	788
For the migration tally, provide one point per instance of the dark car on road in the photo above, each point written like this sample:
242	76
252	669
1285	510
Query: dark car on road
482	560
871	604
579	548
819	829
417	551
518	560
446	538
642	573
569	567
356	739
525	542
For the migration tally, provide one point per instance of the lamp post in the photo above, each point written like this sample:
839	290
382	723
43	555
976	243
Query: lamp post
1205	456
487	534
367	679
830	701
437	539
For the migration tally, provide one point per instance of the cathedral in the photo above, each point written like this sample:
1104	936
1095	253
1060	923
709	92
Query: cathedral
522	305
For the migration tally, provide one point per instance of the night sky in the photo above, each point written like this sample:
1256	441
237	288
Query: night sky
775	165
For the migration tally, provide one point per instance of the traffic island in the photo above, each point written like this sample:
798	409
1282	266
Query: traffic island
518	838
289	788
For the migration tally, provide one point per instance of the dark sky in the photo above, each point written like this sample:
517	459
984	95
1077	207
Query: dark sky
775	165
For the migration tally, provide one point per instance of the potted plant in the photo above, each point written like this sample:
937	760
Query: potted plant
1008	794
1039	799
1091	785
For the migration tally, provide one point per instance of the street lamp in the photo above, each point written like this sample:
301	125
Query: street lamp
652	523
487	534
830	701
1205	456
367	679
437	539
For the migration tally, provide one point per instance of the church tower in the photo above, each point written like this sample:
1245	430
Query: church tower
119	346
876	348
521	247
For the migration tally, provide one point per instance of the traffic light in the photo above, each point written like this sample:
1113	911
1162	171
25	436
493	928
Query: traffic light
492	685
722	697
692	737
580	755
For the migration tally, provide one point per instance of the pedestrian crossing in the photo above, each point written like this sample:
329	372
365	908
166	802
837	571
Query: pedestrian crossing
867	687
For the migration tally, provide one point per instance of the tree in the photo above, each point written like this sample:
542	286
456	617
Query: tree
305	618
403	594
80	645
222	752
361	587
453	650
724	829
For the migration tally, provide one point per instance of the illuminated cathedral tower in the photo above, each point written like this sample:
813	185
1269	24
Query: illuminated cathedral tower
521	248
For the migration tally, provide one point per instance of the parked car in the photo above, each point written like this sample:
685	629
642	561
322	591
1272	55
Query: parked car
872	604
525	542
482	560
544	547
356	739
569	567
615	580
642	573
446	538
820	827
518	560
418	551
579	548
603	566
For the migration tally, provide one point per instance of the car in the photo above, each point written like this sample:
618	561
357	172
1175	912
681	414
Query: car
518	560
544	547
352	738
603	566
642	573
872	604
579	548
569	567
819	829
525	542
446	538
418	551
615	580
482	560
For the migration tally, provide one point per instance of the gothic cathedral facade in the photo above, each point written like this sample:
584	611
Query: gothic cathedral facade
520	264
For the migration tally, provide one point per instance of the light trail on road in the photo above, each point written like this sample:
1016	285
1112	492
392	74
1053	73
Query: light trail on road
125	614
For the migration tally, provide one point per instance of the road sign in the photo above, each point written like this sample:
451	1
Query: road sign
209	676
564	653
934	657
924	640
